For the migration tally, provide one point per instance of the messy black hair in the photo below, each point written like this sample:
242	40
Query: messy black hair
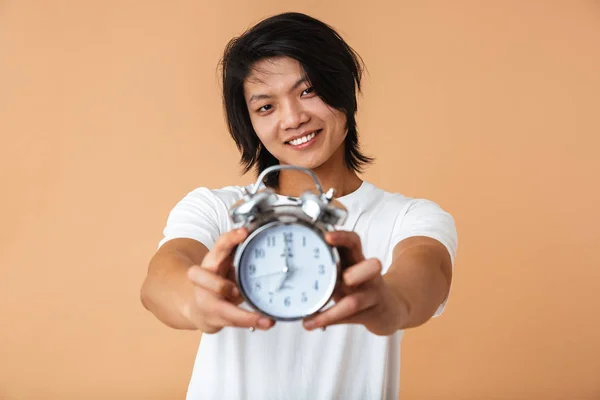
332	67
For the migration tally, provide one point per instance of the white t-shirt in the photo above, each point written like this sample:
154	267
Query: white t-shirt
287	362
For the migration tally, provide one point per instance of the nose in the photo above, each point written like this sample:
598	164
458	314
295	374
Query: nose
293	115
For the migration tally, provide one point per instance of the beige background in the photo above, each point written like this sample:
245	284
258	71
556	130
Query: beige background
110	113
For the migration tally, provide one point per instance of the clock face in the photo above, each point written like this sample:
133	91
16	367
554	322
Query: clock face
287	271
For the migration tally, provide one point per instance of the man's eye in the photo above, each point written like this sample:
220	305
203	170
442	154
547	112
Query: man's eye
265	108
308	90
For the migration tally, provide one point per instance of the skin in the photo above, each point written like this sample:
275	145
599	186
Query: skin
189	287
282	105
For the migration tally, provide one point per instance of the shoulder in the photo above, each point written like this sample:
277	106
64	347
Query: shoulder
409	216
424	217
402	205
225	194
210	202
201	214
216	199
207	203
382	202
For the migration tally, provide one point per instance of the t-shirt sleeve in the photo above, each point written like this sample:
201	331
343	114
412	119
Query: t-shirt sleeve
196	216
422	217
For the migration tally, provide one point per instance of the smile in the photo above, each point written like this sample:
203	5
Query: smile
304	139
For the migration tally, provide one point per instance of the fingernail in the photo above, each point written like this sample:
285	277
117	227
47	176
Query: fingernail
264	323
310	324
235	292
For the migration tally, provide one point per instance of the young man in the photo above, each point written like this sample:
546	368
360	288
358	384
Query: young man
290	88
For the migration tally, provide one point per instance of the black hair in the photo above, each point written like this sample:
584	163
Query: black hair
332	67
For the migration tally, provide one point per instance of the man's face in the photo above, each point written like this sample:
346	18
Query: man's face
289	117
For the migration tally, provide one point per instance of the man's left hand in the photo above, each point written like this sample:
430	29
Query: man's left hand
363	296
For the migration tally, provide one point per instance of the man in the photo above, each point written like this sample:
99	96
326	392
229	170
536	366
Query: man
289	91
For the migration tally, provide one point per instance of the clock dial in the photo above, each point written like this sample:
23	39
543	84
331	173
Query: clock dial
287	271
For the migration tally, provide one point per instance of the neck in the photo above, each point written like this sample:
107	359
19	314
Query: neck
338	176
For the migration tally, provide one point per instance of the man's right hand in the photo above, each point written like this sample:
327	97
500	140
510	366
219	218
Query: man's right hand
214	304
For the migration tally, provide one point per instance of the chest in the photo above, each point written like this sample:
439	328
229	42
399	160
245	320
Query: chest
375	227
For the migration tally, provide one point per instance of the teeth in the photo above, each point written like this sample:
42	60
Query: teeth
303	139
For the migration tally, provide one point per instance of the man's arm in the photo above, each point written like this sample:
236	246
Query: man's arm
167	290
419	276
407	295
189	287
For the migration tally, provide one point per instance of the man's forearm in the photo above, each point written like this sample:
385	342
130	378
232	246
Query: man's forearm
167	291
420	278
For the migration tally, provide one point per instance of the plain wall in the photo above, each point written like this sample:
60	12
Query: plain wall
110	112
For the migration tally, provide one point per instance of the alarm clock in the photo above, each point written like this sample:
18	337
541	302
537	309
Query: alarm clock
284	268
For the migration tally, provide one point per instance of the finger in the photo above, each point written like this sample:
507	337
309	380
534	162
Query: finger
214	323
342	311
349	245
339	293
213	282
235	316
341	290
231	275
214	313
362	272
196	311
237	298
215	259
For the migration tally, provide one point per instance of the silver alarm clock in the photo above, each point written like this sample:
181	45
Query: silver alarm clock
285	269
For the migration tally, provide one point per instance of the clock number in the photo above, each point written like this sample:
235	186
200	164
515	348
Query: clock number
316	252
304	298
321	269
316	285
270	297
288	237
270	241
259	253
252	269
288	301
303	241
257	287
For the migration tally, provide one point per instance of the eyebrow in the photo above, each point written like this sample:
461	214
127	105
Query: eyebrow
256	97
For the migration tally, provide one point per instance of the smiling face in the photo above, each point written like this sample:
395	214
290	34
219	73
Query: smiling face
289	117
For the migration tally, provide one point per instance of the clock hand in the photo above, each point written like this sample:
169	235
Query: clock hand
286	269
269	274
289	269
286	253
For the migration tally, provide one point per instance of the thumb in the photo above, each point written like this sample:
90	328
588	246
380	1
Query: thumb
218	259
